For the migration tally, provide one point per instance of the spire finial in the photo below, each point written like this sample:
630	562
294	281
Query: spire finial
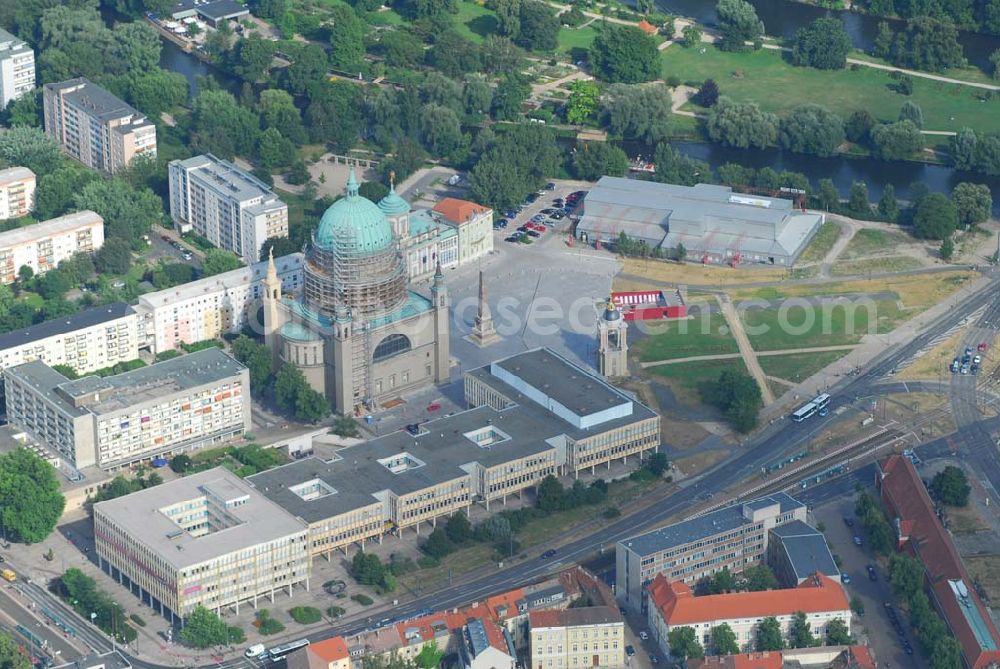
392	181
352	183
270	253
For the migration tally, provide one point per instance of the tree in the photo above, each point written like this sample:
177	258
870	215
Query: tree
347	39
721	582
741	124
252	57
218	261
278	111
882	46
401	48
333	114
30	501
837	633
928	44
769	635
115	257
973	201
947	654
658	464
373	190
724	640
823	44
221	126
858	125
758	577
282	246
516	164
538	26
672	167
857	199
308	69
440	130
312	406
429	656
11	656
181	463
128	213
204	629
30	147
935	217
458	528
454	55
738	23
800	634
708	94
583	101
508	13
551	495
888	207
274	151
408	158
896	141
692	34
24	111
738	396
951	486
910	111
625	54
437	544
683	642
680	252
639	112
257	358
812	129
500	55
508	97
596	159
906	574
995	64
828	195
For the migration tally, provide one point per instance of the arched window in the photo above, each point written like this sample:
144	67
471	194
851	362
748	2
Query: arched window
392	345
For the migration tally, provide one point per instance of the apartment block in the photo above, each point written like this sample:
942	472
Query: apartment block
533	414
732	537
213	306
577	638
230	207
207	539
95	127
673	604
17	192
178	405
86	341
44	245
17	68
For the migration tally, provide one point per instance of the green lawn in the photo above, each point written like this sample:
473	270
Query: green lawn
797	366
682	339
685	378
475	22
764	77
875	265
821	244
577	38
868	242
807	326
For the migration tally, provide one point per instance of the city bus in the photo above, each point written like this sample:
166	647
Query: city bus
278	652
803	412
821	401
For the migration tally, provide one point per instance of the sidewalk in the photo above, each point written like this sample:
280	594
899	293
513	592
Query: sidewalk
746	350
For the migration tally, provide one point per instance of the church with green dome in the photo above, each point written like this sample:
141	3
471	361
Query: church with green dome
359	334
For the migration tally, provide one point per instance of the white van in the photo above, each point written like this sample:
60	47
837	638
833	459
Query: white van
255	651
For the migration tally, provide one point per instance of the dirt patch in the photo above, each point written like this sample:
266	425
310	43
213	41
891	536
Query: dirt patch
680	434
934	363
966	520
922	413
694	464
687	273
985	571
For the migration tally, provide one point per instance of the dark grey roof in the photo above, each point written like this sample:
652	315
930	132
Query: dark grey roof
57	326
701	527
806	549
212	9
99	102
544	596
109	660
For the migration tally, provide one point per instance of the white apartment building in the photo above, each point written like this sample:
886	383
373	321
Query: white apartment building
86	341
44	245
228	206
207	539
95	127
178	405
17	68
673	604
474	224
213	306
577	638
17	192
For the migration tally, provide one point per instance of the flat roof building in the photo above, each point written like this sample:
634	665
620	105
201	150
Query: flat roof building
173	406
732	537
796	551
17	192
44	245
231	208
212	11
534	414
714	224
206	539
95	127
17	68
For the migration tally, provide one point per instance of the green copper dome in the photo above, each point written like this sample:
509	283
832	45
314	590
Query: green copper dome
392	204
354	223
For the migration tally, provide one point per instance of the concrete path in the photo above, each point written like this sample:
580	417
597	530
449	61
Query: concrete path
679	97
746	350
557	83
728	356
848	228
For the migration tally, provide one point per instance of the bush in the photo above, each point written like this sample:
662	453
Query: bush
335	611
612	512
137	619
305	615
428	562
267	625
364	600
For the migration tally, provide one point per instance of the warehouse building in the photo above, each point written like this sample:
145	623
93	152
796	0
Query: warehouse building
173	406
732	537
714	224
207	539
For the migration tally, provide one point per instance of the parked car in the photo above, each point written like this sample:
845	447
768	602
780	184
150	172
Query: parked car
654	659
550	186
977	359
872	574
643	635
512	238
534	233
982	347
955	365
857	540
848	521
547	211
630	651
845	578
965	368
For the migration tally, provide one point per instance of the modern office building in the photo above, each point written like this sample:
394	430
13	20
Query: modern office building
211	307
913	516
95	127
474	224
44	245
673	604
178	405
86	341
733	537
577	638
796	551
17	192
534	414
231	208
17	68
714	224
206	539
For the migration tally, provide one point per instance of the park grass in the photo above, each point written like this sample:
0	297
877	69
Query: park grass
685	378
807	326
969	73
475	22
821	243
796	367
871	241
875	265
686	338
777	86
577	38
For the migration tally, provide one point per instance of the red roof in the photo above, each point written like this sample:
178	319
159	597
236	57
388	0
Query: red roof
678	605
919	530
860	657
762	660
330	650
494	635
459	211
647	27
506	601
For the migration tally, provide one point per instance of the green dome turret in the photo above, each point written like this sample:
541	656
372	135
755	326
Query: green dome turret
392	204
354	224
